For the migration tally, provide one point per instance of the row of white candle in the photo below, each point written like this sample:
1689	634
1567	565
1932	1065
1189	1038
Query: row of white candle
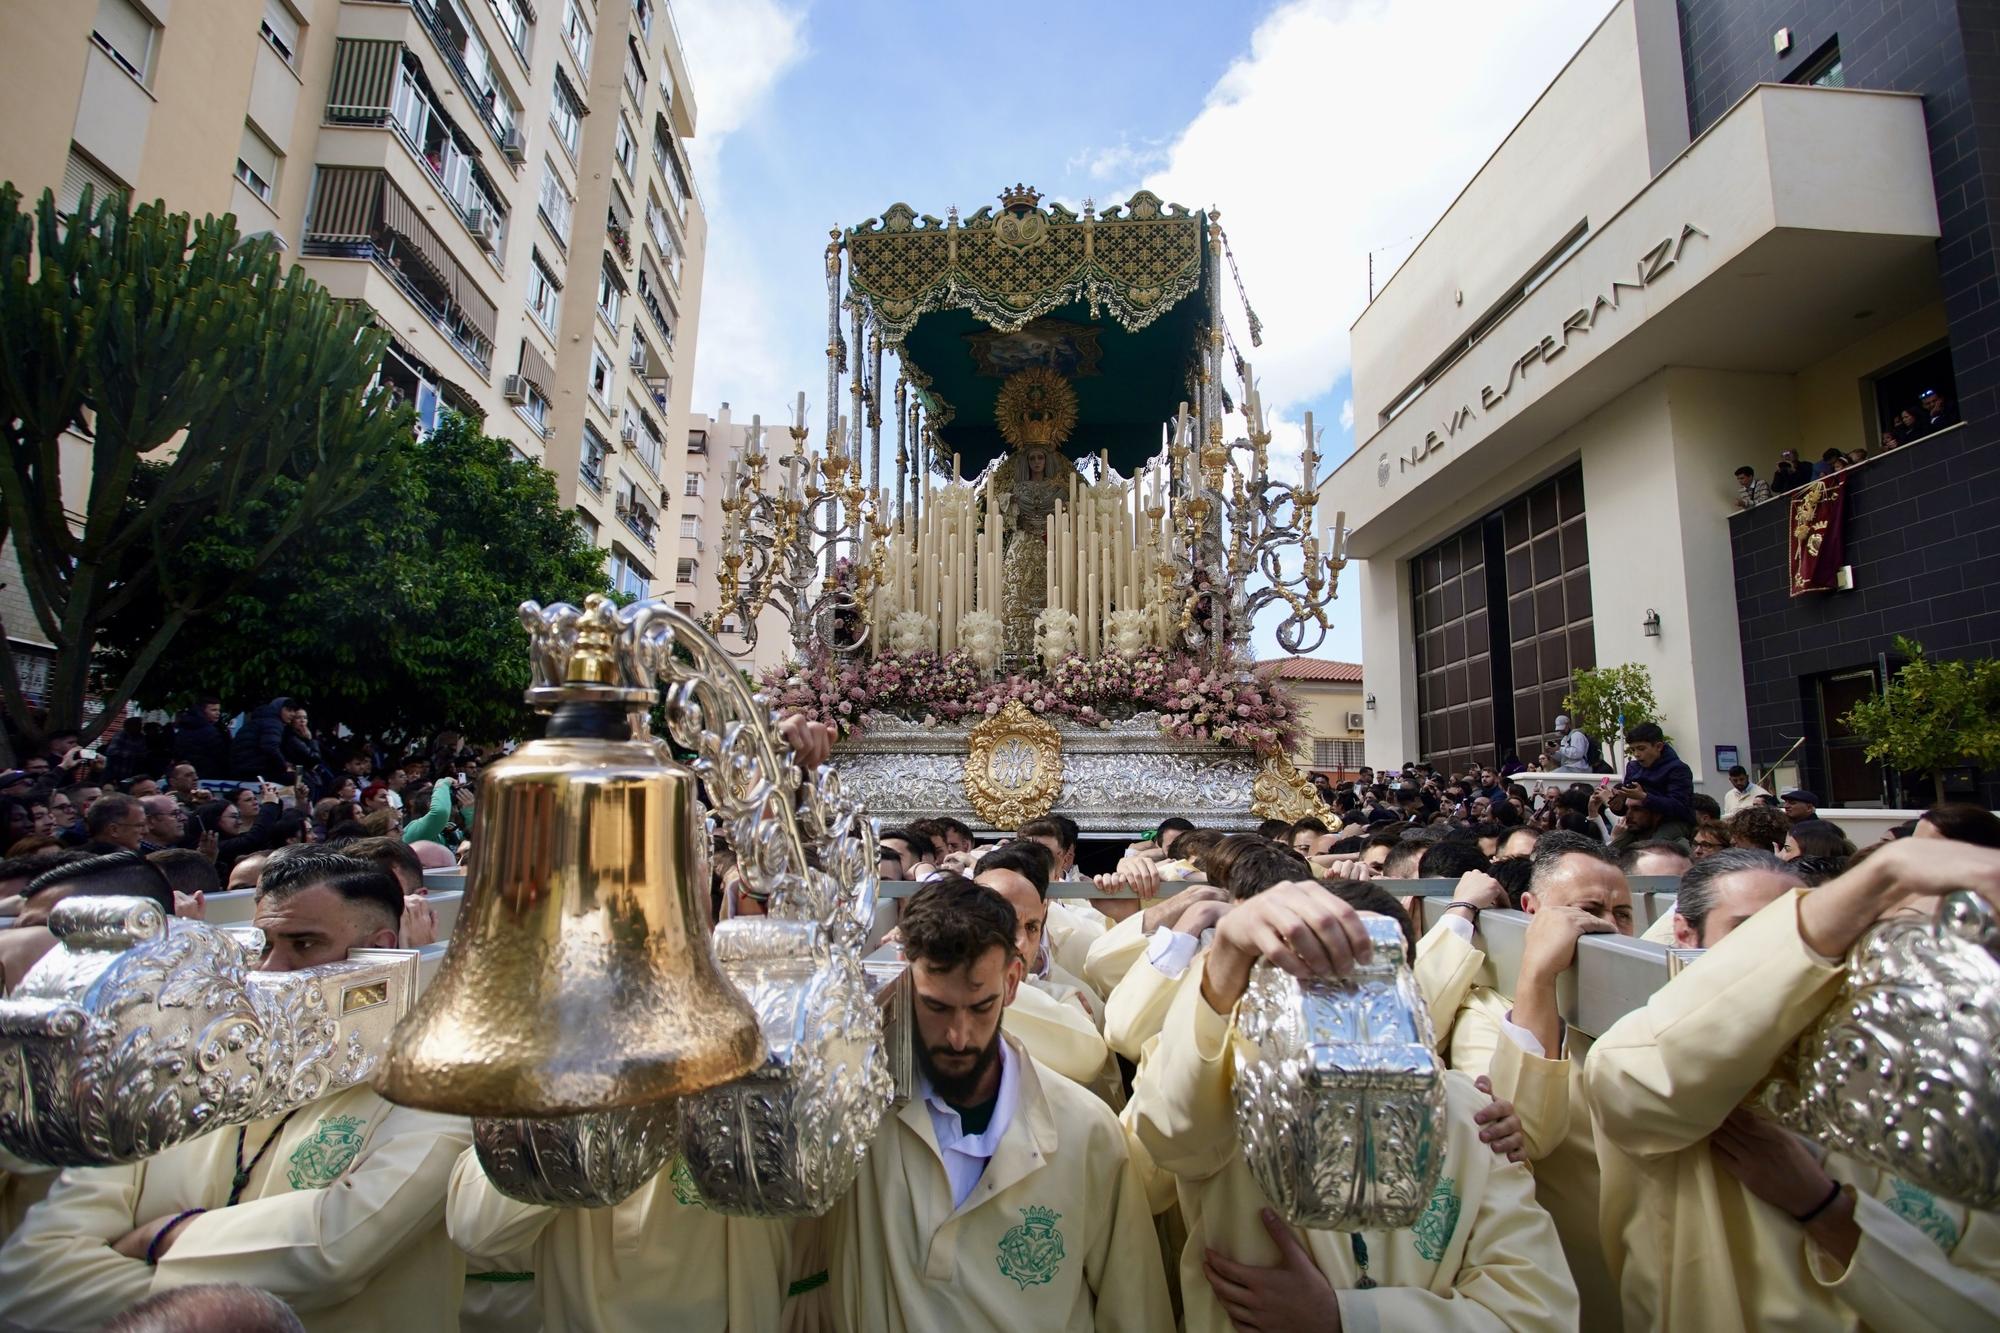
1104	551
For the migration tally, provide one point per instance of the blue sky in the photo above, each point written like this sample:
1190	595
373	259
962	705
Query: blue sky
1323	129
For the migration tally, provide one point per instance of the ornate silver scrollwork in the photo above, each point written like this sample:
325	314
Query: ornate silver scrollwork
136	1033
789	1139
581	1161
1898	1072
1340	1111
1115	779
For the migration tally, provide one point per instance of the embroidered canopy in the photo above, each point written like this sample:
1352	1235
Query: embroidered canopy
1102	298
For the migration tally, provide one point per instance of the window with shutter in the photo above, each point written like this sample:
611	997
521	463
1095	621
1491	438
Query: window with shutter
126	35
80	172
257	165
281	28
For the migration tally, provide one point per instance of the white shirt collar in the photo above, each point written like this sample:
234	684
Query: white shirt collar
951	1136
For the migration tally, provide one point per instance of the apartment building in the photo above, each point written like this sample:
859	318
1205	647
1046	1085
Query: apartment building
713	445
502	183
1728	229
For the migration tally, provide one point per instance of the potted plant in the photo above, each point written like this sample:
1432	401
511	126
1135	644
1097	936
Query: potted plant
1604	701
1933	714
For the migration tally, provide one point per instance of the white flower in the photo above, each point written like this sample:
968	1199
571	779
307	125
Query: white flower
1055	636
910	632
979	635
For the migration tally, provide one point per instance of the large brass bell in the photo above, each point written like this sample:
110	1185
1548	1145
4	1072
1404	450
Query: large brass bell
580	976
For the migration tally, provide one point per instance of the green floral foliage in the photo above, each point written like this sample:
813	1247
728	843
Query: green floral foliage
1934	714
1604	701
222	401
400	618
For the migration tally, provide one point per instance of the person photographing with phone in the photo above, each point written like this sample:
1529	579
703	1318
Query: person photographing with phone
1658	788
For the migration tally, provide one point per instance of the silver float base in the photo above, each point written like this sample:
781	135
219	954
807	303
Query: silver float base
1116	780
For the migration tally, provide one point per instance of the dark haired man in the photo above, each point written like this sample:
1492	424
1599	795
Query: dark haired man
73	875
1056	1017
1075	924
337	1206
1484	1251
1742	792
1001	1195
1534	1060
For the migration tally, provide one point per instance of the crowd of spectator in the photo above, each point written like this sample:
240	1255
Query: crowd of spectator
208	804
1930	414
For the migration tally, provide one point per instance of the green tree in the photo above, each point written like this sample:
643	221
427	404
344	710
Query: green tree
400	618
215	398
1603	701
1933	714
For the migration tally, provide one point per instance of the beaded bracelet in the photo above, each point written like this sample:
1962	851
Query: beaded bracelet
153	1249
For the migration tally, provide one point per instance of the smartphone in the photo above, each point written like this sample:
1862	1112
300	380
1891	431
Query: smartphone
461	779
90	755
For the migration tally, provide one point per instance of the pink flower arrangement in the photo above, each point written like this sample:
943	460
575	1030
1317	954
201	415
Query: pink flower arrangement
1195	701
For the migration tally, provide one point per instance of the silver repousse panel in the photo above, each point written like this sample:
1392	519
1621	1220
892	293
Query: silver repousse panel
789	1139
1899	1071
592	1160
1115	779
1340	1105
137	1032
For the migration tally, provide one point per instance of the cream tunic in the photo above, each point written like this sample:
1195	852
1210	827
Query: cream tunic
1548	1097
343	1218
1055	1236
658	1257
1114	953
1484	1254
1447	967
1072	926
1056	1032
1692	1249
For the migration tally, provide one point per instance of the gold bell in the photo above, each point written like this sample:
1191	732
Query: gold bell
580	975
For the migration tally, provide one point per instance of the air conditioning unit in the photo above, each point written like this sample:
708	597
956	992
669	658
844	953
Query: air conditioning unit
1357	722
629	432
485	225
514	147
638	358
514	388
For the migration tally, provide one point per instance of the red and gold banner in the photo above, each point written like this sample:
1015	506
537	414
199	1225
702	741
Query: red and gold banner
1818	528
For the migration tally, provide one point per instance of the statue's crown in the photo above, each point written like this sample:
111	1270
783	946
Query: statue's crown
1020	198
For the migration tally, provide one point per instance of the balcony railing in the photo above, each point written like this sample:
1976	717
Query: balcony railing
592	474
640	521
484	96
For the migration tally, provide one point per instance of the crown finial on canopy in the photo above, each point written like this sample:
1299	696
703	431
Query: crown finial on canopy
1020	199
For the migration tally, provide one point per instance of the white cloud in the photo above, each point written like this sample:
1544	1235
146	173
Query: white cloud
1348	128
1347	414
1123	160
737	51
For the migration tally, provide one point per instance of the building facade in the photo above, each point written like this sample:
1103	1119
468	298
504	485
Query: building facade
713	446
505	187
1332	713
1714	238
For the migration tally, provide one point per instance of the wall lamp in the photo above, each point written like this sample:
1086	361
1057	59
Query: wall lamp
1651	624
1369	703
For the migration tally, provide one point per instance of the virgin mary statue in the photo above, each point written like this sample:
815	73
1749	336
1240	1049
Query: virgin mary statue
1036	413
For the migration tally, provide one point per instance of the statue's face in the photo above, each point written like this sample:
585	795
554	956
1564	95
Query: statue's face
1038	464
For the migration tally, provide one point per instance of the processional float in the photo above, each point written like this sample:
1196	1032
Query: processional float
1038	588
596	1025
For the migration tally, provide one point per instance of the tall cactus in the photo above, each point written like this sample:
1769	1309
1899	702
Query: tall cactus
215	393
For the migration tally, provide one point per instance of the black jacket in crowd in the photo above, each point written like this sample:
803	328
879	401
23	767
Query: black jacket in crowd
202	743
265	747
